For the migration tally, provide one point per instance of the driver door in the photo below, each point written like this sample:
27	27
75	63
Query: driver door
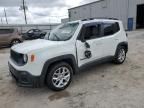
89	40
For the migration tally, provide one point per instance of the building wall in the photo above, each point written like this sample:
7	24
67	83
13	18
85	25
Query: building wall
132	12
121	9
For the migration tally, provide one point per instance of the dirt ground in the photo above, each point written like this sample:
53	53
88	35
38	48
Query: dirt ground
102	86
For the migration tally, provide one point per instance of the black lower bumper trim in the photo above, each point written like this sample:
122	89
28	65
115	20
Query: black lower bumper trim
25	79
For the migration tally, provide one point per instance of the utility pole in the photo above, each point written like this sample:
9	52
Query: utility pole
49	23
5	16
24	9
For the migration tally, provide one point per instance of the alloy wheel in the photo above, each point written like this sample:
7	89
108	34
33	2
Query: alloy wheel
61	77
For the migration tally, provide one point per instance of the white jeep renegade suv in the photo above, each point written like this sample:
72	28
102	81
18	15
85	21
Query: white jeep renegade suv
64	51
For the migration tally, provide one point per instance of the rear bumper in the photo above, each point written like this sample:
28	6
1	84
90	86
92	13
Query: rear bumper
25	79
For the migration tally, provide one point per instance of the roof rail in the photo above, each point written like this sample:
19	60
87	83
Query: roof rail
99	18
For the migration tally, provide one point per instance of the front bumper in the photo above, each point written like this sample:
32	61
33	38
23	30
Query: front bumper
25	79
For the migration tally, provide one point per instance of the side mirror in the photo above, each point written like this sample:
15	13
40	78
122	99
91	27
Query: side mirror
82	40
87	45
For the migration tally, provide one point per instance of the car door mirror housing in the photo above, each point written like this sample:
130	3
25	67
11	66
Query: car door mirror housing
87	45
83	40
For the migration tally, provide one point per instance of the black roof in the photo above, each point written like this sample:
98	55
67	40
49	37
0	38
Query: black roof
100	18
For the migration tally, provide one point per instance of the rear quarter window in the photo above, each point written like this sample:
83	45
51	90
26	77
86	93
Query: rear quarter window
6	31
110	28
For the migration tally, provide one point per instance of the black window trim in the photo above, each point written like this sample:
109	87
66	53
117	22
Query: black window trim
109	23
81	36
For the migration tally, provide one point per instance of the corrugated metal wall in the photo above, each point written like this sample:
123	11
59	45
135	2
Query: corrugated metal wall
132	12
121	9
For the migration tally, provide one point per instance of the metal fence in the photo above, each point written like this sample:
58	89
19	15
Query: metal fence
23	27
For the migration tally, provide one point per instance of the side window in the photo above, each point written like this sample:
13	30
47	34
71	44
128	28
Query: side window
36	30
30	31
6	31
92	31
110	28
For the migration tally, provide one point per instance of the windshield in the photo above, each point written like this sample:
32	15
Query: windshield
63	32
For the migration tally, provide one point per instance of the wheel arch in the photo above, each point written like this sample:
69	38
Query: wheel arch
124	44
15	39
70	59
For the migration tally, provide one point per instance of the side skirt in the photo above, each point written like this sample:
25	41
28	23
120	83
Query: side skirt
96	62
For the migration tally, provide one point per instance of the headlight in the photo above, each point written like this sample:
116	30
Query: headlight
25	58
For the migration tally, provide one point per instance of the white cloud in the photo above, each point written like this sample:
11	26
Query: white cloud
39	11
72	3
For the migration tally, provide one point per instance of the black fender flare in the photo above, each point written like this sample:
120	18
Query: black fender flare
122	44
58	59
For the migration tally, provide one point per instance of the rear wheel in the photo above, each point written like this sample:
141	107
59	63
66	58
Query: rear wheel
14	42
60	76
120	55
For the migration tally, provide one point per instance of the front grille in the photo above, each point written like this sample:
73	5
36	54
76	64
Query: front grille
17	57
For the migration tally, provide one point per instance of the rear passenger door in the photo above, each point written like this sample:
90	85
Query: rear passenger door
110	37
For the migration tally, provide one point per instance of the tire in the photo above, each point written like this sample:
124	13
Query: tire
41	36
120	55
15	41
59	77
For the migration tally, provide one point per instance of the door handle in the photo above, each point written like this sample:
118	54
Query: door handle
116	39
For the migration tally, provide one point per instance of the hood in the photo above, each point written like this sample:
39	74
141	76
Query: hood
38	44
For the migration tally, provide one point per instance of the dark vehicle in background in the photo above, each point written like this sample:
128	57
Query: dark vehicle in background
33	34
9	37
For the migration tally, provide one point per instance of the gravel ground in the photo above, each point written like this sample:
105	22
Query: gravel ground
101	86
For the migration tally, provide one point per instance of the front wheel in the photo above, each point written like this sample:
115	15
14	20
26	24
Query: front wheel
120	55
59	77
